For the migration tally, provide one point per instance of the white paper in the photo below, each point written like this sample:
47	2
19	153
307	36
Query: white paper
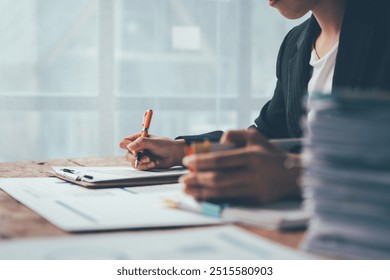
74	208
283	215
223	242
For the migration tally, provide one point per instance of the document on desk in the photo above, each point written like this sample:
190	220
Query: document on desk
284	215
108	177
212	243
76	209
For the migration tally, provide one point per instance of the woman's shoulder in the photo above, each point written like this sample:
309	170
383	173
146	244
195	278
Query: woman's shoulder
301	34
302	31
298	30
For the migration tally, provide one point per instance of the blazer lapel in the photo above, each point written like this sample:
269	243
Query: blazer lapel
300	72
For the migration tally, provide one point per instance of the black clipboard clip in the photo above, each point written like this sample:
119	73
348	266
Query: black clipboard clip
77	175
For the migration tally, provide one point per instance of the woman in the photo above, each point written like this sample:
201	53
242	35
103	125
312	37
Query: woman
345	44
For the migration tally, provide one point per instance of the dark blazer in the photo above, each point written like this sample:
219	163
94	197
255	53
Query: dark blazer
363	62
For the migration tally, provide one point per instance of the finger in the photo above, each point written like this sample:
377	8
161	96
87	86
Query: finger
246	138
237	158
130	158
224	194
127	140
234	136
123	144
144	160
143	143
146	166
217	180
256	138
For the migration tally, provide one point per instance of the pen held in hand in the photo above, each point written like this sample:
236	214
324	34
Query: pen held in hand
144	133
286	145
205	147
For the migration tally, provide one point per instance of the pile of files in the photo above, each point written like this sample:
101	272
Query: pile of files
347	175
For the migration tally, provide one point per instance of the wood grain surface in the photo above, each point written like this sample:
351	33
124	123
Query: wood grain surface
17	221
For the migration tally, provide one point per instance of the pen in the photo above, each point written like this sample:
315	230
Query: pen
78	176
206	146
204	207
144	133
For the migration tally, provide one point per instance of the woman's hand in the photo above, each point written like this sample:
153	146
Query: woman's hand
256	172
159	152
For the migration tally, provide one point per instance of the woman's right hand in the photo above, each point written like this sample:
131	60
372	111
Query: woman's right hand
159	152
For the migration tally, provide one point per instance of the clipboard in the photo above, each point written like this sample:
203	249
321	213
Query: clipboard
116	177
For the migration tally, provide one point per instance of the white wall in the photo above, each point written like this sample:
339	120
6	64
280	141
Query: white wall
77	75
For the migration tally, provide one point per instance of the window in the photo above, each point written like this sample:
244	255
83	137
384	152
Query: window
77	75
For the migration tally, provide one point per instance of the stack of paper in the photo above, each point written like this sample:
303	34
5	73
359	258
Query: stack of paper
347	177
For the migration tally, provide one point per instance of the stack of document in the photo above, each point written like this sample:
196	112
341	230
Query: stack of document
347	177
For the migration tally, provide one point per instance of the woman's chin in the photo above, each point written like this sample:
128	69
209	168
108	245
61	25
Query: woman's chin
273	2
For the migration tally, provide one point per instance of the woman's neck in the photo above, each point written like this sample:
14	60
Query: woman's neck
330	15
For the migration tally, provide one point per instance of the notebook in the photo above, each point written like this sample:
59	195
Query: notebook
109	177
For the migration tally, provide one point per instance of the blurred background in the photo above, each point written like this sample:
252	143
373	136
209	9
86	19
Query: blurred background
76	76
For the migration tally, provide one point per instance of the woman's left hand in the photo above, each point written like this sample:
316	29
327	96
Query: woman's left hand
255	172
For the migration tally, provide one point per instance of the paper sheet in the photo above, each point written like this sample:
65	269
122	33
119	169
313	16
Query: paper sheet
73	208
222	242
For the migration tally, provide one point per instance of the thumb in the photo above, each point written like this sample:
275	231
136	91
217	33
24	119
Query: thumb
143	143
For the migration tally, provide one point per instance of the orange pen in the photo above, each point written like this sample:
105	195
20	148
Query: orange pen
144	133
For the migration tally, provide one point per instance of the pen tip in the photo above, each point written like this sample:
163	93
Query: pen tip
136	163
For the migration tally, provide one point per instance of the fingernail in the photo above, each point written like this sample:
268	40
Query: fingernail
183	179
188	160
191	191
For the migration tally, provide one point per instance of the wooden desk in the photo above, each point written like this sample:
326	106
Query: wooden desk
17	221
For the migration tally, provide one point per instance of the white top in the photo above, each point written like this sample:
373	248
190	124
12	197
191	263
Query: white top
323	71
